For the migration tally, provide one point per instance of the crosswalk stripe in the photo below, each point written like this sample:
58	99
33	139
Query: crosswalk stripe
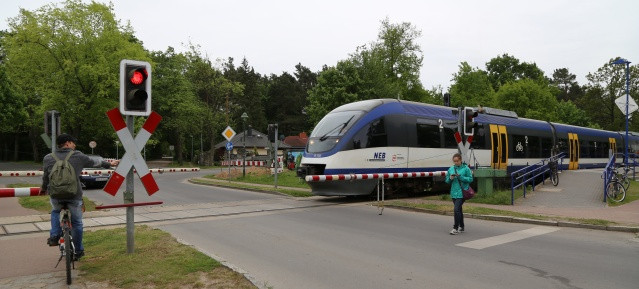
507	238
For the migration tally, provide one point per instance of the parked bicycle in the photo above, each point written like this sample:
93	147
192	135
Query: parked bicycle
67	249
616	190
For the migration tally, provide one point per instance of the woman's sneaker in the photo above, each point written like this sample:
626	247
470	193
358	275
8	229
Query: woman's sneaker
454	232
461	230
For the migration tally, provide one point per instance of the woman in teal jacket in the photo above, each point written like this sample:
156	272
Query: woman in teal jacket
458	176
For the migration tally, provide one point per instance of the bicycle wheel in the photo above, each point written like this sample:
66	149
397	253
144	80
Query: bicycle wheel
616	191
554	177
68	252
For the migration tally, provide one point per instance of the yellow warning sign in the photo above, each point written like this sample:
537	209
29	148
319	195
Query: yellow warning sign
228	133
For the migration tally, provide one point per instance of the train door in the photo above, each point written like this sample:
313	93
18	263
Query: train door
499	147
613	145
573	150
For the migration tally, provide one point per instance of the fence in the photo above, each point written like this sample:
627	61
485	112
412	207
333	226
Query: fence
529	173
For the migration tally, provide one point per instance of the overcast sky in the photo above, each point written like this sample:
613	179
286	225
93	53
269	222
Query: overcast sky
581	35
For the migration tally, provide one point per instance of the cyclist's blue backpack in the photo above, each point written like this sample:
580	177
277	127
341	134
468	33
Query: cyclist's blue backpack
63	183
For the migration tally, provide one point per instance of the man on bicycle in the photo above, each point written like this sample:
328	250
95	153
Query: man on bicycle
65	144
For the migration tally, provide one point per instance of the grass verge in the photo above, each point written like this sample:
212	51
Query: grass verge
249	186
478	210
287	178
632	194
158	261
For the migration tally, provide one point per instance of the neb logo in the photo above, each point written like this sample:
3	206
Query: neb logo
379	156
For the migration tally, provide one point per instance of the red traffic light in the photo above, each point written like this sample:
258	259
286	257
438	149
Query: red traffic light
137	76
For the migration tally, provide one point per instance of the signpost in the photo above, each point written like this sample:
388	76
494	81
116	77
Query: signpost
92	145
228	134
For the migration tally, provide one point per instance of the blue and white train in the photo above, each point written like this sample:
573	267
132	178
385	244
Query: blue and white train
391	136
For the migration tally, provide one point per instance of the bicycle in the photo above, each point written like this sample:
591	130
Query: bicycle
616	191
67	249
554	174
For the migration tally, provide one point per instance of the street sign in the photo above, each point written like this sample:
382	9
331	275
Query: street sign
132	158
92	144
228	133
621	103
229	146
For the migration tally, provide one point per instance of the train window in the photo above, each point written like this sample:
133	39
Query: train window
428	133
534	146
335	124
584	149
371	135
449	135
546	147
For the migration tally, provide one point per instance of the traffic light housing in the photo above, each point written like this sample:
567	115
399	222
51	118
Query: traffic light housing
272	130
469	121
135	87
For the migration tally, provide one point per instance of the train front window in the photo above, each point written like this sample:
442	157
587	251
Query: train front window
328	131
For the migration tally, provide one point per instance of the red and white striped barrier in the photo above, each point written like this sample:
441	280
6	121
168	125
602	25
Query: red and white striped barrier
349	177
92	172
248	163
20	173
19	192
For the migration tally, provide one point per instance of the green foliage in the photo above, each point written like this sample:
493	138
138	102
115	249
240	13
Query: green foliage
569	113
528	99
605	85
159	260
471	88
387	68
66	57
505	68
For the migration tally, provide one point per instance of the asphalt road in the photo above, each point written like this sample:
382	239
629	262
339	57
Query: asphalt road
348	245
351	246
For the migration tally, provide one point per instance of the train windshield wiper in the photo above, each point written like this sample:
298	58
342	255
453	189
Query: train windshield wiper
341	128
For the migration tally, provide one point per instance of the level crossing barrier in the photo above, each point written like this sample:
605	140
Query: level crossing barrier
528	174
380	177
92	172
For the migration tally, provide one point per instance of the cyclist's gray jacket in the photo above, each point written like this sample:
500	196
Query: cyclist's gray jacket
78	161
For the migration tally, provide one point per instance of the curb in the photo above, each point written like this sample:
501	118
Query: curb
508	219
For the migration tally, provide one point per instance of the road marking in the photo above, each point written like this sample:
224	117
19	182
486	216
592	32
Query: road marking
507	238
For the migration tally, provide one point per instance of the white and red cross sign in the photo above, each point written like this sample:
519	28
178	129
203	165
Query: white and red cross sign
463	148
132	157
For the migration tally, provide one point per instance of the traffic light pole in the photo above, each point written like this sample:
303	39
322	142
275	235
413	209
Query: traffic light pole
129	199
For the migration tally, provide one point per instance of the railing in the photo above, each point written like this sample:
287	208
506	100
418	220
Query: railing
529	173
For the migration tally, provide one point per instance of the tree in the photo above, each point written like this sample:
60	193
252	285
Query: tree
528	99
386	68
335	86
250	98
505	68
471	87
212	89
604	86
567	85
13	113
285	101
175	100
67	58
569	113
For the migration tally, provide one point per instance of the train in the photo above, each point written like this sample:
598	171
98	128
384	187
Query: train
395	136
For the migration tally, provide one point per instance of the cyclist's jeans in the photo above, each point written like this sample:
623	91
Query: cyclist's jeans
75	207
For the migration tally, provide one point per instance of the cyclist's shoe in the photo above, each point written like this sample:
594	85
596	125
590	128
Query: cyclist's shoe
53	241
78	255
